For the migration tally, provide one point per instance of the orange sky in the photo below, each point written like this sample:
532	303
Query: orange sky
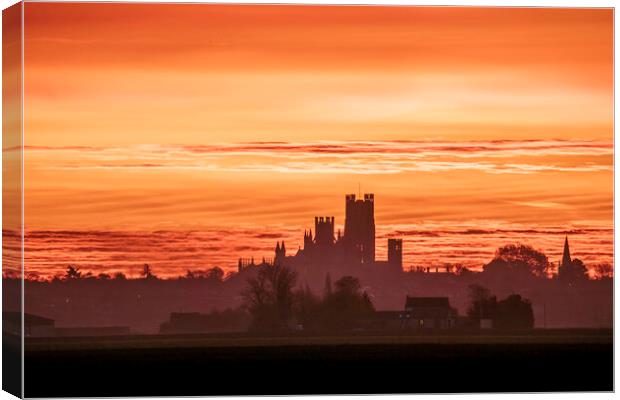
138	116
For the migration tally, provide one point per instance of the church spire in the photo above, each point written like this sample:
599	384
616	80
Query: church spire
566	260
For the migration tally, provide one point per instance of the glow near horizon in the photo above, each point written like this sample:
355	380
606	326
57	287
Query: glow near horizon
485	115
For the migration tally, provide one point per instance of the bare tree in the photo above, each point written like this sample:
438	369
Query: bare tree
604	270
269	297
147	272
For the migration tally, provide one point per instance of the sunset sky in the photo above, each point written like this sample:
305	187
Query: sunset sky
189	135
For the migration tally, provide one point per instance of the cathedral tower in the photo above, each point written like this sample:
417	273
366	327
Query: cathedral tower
324	230
359	229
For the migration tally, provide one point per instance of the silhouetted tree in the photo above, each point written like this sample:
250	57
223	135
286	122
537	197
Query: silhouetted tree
73	272
603	271
215	274
346	305
519	257
307	309
30	276
460	269
147	272
580	269
119	276
348	285
269	297
514	312
481	304
573	271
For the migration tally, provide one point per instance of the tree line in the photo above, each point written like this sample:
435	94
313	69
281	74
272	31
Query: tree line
276	305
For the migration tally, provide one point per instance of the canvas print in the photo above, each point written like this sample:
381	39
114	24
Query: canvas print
224	199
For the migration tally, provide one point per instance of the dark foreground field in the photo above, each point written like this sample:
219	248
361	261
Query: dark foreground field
197	365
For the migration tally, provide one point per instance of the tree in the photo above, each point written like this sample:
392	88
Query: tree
573	271
604	271
215	274
119	276
519	257
514	312
269	297
348	285
461	269
147	272
481	303
32	276
580	270
346	305
307	309
73	272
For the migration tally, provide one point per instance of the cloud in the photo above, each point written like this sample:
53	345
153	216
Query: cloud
172	253
339	157
541	204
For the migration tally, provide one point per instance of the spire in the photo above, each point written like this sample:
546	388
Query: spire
277	246
566	260
283	247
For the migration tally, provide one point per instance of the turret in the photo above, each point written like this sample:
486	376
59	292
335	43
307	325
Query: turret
324	230
307	239
395	253
280	253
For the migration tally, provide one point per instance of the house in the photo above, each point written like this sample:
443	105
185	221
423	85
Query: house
34	325
190	322
386	321
430	313
37	326
419	313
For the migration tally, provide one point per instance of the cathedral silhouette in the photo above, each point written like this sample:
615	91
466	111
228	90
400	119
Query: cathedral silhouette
355	248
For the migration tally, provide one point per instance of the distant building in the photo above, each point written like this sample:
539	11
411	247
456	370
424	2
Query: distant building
359	229
34	325
192	322
395	253
37	326
327	249
431	312
420	313
570	269
566	260
388	321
